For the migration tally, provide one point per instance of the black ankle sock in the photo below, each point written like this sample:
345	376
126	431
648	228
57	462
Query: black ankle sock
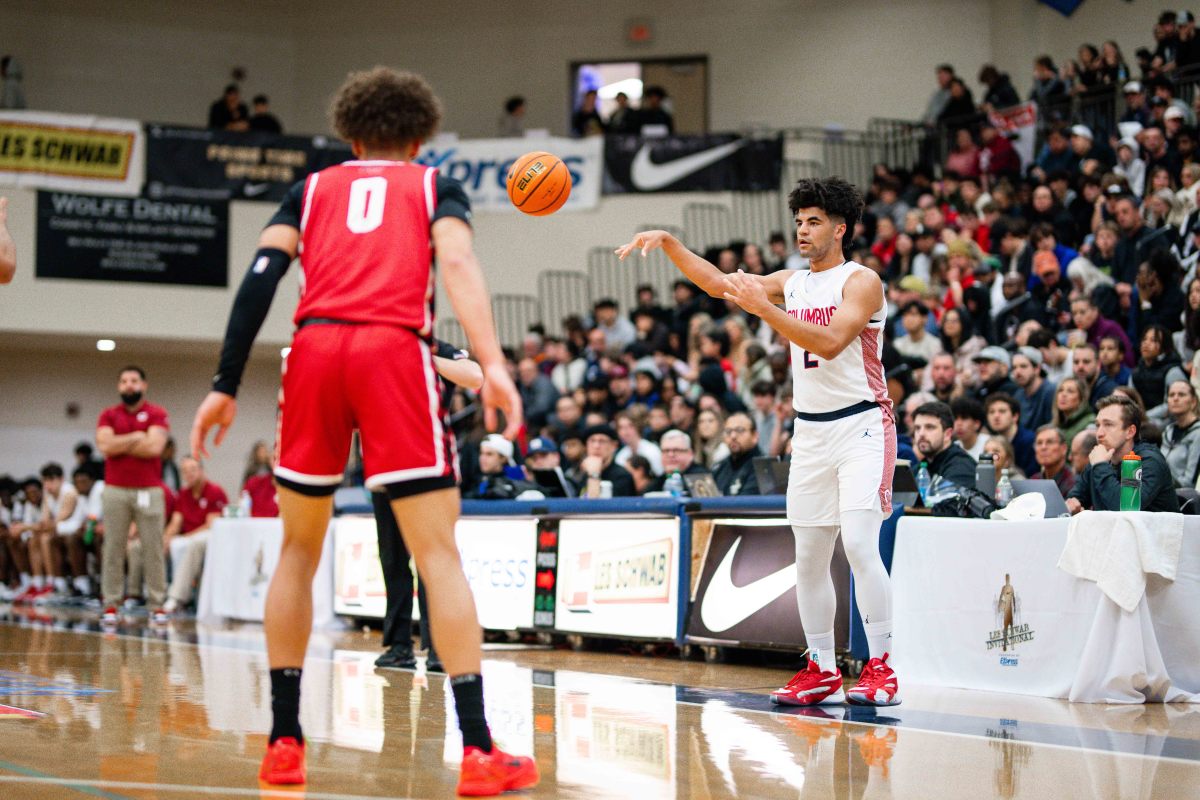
468	700
285	704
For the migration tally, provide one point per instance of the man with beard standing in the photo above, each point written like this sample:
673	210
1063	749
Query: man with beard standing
131	435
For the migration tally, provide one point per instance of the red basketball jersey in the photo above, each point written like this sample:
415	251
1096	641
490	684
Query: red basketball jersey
365	249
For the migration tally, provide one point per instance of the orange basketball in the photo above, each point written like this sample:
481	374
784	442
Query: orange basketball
539	183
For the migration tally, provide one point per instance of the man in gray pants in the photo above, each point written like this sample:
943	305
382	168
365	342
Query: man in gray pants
131	435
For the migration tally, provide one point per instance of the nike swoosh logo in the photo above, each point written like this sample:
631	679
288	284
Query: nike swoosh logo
725	605
255	189
648	176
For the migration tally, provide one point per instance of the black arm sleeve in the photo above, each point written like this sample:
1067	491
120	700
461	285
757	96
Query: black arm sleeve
291	208
452	201
250	308
444	349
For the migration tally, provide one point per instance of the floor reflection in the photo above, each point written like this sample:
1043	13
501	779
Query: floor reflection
186	706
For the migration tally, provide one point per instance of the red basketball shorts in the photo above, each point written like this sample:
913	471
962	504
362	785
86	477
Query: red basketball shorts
378	379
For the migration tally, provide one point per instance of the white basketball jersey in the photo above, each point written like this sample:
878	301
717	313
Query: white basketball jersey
856	373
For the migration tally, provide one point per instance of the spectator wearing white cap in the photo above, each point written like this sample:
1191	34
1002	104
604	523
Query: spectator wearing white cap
1035	394
994	363
1135	104
495	453
1084	144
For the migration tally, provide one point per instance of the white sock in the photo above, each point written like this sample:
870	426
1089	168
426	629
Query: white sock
81	584
60	585
26	580
879	637
39	582
821	650
170	605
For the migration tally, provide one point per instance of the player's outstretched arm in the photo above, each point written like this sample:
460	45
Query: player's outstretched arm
700	272
861	297
276	249
463	277
8	249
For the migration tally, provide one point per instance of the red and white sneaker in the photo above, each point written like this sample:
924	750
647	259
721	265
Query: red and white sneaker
877	686
489	774
284	763
110	617
810	687
26	595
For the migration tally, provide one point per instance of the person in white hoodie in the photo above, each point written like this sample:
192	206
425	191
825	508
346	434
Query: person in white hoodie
1129	166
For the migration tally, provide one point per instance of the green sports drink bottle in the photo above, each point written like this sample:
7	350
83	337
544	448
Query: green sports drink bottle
89	533
1131	482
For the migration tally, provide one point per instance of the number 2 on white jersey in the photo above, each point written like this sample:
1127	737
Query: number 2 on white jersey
365	211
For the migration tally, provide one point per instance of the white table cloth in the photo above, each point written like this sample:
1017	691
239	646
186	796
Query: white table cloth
241	558
981	604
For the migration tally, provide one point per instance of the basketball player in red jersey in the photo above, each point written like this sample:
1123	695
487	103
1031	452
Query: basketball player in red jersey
844	443
367	232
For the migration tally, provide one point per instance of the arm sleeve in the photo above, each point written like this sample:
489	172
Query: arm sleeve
250	308
290	209
452	201
443	349
1106	488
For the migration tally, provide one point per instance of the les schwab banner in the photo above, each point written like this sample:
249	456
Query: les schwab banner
618	577
71	152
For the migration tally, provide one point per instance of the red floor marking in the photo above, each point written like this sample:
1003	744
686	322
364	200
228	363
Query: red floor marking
9	712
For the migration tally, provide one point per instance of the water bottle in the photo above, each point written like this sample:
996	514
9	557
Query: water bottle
1131	482
985	475
923	481
1004	490
245	505
674	484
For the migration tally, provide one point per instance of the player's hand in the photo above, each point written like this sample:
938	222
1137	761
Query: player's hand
499	393
644	241
748	292
218	409
1074	506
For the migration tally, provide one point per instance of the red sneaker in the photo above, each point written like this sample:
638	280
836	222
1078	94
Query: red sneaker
283	763
877	686
487	774
110	616
810	687
26	595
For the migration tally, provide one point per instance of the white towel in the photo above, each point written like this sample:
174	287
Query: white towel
1117	549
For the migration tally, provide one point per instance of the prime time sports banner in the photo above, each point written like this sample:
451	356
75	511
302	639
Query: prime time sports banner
71	152
203	164
481	166
712	163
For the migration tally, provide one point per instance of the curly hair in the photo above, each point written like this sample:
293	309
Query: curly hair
385	107
834	196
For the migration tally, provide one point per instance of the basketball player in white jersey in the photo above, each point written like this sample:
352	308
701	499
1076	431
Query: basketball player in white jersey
844	445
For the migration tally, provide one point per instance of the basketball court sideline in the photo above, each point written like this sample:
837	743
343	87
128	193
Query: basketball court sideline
182	711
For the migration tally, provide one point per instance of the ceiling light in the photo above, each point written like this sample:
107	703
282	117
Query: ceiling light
106	345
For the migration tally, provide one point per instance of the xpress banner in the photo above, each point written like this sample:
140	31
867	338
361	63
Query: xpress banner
132	239
71	152
747	589
201	164
481	166
713	163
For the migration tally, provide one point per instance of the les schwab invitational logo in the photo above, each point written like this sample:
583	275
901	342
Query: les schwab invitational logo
1010	630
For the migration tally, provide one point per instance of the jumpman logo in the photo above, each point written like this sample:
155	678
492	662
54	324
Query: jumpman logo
866	435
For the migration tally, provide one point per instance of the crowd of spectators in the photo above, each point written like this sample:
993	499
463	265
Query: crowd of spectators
1021	296
53	529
